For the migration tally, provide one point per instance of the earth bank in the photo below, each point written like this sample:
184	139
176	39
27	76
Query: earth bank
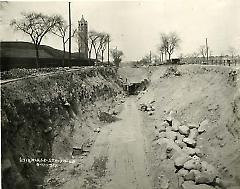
179	100
53	117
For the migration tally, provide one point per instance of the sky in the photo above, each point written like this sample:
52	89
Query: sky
135	26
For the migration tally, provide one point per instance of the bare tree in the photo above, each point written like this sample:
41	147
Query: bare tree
162	51
117	56
93	40
103	44
100	45
61	30
36	25
97	42
170	42
90	41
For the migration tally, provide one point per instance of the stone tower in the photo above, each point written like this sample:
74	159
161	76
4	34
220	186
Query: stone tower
83	38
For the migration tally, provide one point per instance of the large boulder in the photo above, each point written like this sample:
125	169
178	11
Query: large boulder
170	143
208	167
184	130
182	172
181	160
190	142
189	151
207	175
192	164
203	126
192	185
193	134
175	124
180	136
190	176
204	178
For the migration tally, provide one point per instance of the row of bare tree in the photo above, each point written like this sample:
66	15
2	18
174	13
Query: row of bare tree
169	42
37	25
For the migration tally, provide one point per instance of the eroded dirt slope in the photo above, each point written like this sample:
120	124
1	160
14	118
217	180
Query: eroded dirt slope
193	94
47	118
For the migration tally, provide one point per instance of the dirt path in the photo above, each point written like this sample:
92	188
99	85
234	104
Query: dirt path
117	159
127	161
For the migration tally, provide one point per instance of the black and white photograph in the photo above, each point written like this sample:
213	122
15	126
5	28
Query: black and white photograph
120	94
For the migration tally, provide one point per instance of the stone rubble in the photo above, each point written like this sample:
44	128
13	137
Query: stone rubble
184	130
182	149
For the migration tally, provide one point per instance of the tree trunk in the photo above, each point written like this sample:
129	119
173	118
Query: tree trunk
63	61
37	55
64	50
89	59
96	57
169	56
102	56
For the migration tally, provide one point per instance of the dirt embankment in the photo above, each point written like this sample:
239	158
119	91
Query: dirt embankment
47	119
183	98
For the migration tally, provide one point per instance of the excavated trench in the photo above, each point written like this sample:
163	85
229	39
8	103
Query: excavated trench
47	120
136	88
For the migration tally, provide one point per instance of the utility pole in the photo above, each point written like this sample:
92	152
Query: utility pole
116	58
207	49
150	57
108	48
70	23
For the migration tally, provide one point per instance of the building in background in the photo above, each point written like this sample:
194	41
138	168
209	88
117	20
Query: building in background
83	38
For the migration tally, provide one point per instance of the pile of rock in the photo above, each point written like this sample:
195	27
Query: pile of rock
171	71
149	108
182	149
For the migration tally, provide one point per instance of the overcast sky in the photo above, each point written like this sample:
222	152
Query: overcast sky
135	26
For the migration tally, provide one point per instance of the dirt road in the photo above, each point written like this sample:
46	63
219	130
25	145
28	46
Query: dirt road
127	161
117	159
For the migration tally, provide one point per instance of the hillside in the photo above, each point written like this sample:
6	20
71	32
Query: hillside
20	49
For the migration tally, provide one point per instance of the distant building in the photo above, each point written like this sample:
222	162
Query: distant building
83	38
